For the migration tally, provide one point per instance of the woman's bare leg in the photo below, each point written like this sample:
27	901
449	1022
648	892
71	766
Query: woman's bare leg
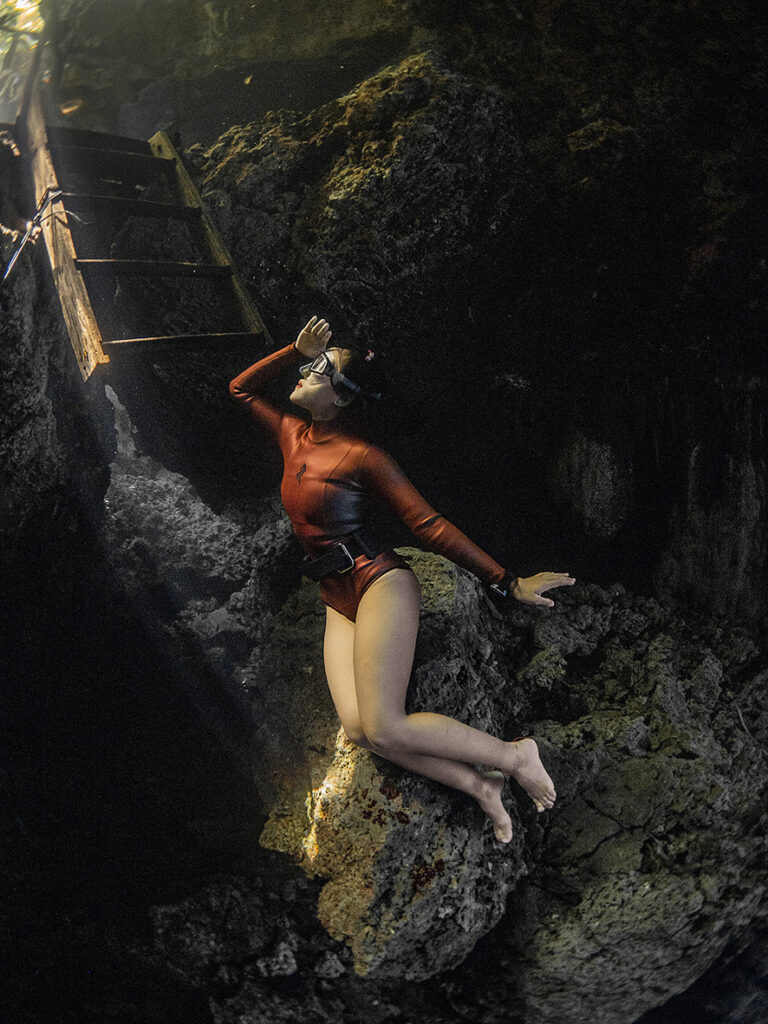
384	641
338	655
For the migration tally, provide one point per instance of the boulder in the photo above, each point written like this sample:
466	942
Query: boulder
358	204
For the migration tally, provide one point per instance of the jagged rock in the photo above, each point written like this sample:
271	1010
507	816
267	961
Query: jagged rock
658	828
190	568
376	189
590	480
650	863
55	439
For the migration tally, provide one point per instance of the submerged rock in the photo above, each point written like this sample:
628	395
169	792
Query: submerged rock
55	436
360	203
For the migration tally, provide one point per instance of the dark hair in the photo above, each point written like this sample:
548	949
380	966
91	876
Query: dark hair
364	368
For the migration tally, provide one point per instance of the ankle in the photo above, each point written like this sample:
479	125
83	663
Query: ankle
516	756
486	787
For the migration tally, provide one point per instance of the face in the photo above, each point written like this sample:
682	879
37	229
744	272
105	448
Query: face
315	394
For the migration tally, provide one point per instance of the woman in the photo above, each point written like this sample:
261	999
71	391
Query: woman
372	597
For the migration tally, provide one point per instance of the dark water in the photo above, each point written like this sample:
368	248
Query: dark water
199	110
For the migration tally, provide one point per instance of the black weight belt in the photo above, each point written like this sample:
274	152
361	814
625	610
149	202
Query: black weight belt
340	559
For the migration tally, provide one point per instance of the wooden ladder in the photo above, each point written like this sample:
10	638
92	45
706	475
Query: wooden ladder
103	182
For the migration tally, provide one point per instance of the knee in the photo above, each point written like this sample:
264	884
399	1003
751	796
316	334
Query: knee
386	737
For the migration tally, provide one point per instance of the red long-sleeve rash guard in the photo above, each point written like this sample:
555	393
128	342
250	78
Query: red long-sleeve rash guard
329	476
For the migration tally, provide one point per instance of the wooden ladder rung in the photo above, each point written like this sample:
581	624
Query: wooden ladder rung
133	168
153	268
181	339
132	207
83	137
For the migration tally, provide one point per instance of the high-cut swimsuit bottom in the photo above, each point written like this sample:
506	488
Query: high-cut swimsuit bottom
344	593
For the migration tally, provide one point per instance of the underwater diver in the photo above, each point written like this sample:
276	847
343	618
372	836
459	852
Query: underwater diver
372	597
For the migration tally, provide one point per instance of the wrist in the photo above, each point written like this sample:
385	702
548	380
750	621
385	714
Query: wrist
506	586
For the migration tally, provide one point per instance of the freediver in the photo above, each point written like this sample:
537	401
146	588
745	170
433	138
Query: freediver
372	597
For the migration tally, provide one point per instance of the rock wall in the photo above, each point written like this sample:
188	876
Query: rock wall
362	202
55	436
657	831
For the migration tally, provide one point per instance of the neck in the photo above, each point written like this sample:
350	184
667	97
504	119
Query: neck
320	430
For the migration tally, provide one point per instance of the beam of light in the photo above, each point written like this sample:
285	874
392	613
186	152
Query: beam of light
26	16
19	20
320	801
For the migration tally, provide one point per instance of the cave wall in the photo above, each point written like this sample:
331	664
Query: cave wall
55	435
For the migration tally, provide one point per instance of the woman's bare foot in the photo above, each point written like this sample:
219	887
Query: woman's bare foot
530	773
489	798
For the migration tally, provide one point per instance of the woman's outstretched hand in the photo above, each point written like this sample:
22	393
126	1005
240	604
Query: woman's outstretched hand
530	589
313	338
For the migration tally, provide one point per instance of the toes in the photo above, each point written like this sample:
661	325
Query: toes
504	834
544	804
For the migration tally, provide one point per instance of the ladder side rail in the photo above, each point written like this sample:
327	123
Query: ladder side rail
76	306
163	147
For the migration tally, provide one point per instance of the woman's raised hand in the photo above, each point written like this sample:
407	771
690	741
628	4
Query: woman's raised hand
530	589
313	338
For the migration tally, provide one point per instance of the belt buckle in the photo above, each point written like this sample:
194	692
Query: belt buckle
351	566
